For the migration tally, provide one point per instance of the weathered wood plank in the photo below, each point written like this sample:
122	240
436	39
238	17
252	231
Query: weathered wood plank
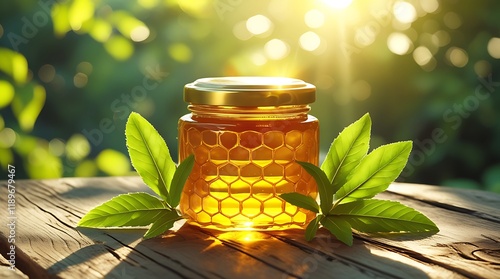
459	246
467	246
54	248
6	272
64	214
473	202
389	260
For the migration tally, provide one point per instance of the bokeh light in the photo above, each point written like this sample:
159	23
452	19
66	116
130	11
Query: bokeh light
77	147
361	90
259	59
452	20
399	43
422	55
241	32
7	138
80	80
139	33
276	49
180	52
309	41
99	52
482	68
442	37
314	18
113	162
56	147
494	47
429	6
46	73
85	67
404	12
457	57
258	24
119	47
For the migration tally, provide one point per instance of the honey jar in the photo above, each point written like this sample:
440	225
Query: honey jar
246	134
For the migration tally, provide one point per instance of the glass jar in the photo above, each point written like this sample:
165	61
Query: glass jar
246	133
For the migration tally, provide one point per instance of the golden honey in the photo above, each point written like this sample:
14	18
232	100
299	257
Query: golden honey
246	134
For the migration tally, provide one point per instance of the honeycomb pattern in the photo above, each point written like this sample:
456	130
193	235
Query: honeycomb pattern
238	174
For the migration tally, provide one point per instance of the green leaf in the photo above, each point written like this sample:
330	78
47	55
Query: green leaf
375	172
383	216
324	188
79	12
302	201
60	19
7	95
163	223
149	155
313	227
338	227
14	64
346	151
179	179
134	209
27	105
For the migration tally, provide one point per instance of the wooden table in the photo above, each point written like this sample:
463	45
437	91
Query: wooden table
49	246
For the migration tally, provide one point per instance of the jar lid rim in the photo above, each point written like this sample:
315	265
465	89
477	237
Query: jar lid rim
249	91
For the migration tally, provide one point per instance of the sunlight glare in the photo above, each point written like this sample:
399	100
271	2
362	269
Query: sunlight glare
338	4
364	37
243	236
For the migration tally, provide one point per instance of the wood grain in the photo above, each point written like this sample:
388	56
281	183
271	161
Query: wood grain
6	272
50	246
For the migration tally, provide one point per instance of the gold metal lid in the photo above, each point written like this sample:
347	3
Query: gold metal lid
249	91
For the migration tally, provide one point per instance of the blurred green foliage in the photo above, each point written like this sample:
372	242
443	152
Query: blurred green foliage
71	72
